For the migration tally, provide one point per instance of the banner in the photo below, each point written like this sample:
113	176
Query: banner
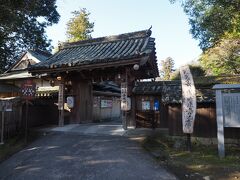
189	102
28	89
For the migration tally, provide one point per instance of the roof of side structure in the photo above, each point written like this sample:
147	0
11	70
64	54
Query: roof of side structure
171	91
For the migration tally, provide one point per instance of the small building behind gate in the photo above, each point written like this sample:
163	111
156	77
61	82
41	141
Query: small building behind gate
159	102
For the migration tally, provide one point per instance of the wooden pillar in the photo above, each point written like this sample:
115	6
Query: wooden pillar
133	112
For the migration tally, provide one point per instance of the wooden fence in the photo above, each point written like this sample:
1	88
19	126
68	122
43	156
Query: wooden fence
205	124
41	112
170	116
13	122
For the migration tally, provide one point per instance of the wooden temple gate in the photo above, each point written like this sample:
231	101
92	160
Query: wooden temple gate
76	66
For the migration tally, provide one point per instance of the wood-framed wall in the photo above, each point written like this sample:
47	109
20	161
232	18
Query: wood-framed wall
205	124
144	118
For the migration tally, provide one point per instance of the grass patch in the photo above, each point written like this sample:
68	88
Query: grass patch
15	144
202	162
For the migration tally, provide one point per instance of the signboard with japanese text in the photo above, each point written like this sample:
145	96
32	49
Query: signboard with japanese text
5	106
231	109
124	96
106	103
60	97
146	105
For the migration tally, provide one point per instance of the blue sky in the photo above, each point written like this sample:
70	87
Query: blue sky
169	24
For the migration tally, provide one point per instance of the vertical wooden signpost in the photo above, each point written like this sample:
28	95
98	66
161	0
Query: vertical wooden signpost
61	104
124	104
124	100
189	103
28	92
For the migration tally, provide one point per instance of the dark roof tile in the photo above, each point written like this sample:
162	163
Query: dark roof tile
104	49
171	91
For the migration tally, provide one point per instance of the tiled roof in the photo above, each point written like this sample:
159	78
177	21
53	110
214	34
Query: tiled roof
40	54
103	50
171	91
22	63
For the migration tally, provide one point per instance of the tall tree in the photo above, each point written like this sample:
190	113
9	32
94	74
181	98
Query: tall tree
216	24
223	58
210	20
167	66
79	27
22	26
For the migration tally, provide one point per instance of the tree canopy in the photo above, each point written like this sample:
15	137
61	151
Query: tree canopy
216	24
22	27
79	26
210	20
223	58
166	68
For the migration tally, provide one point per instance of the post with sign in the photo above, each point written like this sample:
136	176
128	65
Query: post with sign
61	104
124	104
28	92
125	100
189	103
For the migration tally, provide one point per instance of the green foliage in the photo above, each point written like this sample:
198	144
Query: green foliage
209	81
210	20
166	68
22	27
223	58
196	70
79	27
216	24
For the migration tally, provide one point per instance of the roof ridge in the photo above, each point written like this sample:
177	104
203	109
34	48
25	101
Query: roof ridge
112	38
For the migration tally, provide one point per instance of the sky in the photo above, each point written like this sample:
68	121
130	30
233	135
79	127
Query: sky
169	24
